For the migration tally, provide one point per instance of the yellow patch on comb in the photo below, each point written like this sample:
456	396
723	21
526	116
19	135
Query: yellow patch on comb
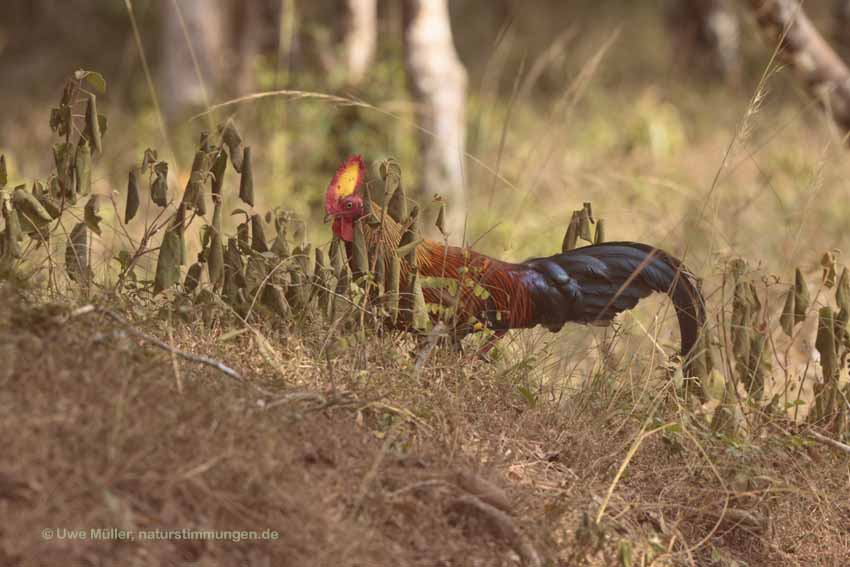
348	177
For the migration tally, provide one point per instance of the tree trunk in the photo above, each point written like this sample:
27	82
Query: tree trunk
842	26
180	84
707	32
252	27
823	73
360	38
438	82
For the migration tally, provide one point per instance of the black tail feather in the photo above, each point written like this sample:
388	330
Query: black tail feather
594	283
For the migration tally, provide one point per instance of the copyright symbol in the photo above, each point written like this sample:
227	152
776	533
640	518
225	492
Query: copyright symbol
47	533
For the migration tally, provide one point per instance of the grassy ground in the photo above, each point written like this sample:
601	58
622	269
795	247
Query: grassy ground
356	458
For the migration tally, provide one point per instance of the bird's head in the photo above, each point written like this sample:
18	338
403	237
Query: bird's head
343	201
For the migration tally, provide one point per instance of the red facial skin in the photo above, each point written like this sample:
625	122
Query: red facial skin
345	212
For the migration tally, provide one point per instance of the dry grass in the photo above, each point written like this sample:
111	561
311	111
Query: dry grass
357	459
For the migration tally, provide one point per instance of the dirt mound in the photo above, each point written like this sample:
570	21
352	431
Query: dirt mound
327	455
98	440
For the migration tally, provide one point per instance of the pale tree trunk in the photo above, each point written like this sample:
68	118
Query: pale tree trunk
204	26
707	32
822	72
360	38
438	82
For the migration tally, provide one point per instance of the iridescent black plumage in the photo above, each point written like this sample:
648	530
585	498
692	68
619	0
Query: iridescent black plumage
594	283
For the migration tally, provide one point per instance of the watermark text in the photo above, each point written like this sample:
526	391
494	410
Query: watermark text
157	534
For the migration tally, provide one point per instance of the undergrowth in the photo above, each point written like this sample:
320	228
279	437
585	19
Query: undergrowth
344	436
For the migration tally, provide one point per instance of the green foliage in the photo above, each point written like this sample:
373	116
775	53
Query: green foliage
258	235
282	277
93	133
93	78
230	137
193	195
833	344
77	255
440	223
360	254
132	206
219	166
172	255
246	183
397	207
33	218
38	214
159	184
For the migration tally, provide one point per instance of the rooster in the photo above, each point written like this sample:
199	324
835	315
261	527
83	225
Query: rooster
588	285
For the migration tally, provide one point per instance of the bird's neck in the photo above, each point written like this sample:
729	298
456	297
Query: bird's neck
431	256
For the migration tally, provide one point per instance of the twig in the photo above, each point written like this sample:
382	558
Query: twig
815	436
177	377
81	311
658	347
483	489
440	329
403	412
500	524
437	482
631	453
828	441
296	397
199	358
372	473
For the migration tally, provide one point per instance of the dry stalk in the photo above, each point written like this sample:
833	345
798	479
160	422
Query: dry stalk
198	358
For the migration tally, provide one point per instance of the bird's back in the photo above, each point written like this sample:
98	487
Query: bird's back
594	283
585	285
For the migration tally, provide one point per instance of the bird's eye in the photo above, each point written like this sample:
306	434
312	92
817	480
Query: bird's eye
349	204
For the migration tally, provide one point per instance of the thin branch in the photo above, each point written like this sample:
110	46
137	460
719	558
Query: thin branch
372	473
198	358
823	73
814	435
500	524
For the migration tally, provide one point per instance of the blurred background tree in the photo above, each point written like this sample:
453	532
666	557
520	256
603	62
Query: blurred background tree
707	32
626	103
841	27
361	38
438	83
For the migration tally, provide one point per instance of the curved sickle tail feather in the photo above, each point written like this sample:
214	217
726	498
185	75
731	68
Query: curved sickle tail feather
594	283
684	291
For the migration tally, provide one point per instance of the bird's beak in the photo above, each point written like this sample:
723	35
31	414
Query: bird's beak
329	217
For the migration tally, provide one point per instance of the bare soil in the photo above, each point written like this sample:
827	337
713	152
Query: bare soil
352	457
